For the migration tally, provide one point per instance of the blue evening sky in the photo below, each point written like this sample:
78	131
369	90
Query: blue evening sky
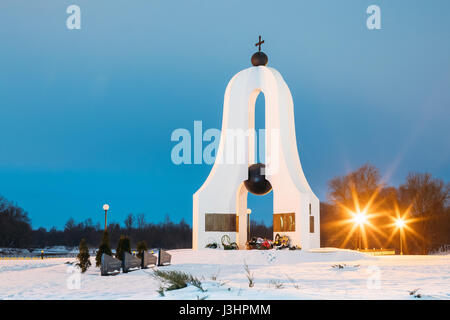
86	115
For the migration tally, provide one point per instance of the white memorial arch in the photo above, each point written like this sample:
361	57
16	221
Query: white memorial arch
220	205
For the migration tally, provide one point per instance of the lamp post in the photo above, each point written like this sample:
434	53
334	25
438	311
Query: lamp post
359	238
248	223
106	208
360	218
400	223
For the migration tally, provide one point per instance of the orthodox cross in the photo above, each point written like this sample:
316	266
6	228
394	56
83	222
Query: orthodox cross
259	43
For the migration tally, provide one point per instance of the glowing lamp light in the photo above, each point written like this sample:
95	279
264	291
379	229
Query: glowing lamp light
106	207
360	218
400	223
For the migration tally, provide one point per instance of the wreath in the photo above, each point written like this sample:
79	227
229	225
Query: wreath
212	245
227	244
281	242
259	244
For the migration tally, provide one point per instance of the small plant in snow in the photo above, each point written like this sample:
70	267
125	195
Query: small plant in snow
277	284
123	246
415	293
103	249
249	276
161	290
294	283
176	280
83	257
344	266
196	283
173	279
216	275
141	247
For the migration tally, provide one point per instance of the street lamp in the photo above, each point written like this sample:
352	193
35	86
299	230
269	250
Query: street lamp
360	219
106	208
248	223
400	223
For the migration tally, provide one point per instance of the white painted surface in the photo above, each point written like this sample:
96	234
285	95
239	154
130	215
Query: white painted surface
223	190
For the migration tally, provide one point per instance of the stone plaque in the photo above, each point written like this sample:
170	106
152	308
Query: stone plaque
220	222
311	224
110	265
164	258
148	259
130	262
284	222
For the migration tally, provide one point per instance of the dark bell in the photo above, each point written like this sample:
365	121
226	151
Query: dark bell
259	59
257	183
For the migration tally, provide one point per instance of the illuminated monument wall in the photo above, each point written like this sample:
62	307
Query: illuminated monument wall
220	205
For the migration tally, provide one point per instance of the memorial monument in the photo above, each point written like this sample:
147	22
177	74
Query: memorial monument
220	205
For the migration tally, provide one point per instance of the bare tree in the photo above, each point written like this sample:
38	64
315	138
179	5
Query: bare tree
15	226
428	198
140	221
361	189
129	221
363	182
70	224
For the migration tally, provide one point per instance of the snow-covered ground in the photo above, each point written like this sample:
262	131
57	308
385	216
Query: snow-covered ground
277	275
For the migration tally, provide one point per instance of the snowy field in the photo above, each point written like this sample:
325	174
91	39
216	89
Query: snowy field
277	275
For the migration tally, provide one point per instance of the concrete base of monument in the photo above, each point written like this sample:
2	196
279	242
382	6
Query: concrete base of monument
324	273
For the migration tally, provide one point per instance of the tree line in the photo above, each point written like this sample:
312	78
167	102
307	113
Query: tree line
422	201
16	231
